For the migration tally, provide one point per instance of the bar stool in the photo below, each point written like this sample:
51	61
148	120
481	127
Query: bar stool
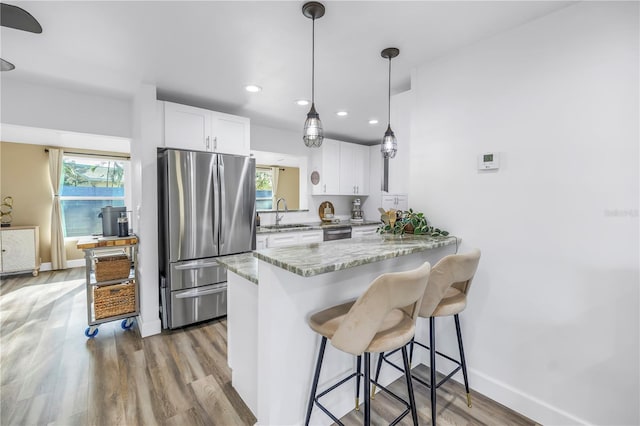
445	295
382	319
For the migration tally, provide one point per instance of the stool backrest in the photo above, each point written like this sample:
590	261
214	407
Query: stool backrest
396	290
455	270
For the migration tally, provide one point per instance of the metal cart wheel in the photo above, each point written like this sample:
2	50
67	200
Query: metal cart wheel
127	323
91	332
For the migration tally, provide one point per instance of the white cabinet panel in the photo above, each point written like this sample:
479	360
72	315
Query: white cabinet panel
261	242
20	249
343	168
230	133
395	201
363	231
188	127
354	169
285	239
326	161
311	237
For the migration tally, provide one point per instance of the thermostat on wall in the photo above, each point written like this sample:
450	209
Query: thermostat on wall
489	161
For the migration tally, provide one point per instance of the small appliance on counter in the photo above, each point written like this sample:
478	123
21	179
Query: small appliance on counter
110	215
356	211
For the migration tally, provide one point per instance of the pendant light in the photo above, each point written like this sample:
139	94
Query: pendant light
313	133
389	145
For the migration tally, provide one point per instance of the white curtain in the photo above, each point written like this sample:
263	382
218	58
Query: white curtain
58	255
275	172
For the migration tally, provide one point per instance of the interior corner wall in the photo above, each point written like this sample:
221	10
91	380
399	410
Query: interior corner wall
552	325
43	106
24	175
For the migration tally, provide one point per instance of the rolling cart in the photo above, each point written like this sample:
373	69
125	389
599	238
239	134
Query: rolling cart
111	280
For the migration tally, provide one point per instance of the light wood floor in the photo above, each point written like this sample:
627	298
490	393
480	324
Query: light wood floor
52	374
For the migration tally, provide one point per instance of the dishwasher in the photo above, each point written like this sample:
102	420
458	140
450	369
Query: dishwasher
337	233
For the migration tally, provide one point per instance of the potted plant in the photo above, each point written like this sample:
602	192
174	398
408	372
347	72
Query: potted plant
411	222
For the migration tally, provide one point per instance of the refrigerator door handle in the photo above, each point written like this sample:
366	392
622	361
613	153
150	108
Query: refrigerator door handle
196	265
198	293
223	202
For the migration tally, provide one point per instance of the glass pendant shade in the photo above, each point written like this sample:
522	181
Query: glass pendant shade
389	145
313	133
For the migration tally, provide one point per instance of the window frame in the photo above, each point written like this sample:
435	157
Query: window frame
126	198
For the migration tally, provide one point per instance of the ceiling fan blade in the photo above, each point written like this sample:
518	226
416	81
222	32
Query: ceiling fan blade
5	65
20	19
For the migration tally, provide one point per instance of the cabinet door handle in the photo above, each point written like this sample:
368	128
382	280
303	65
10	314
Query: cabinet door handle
207	144
215	143
325	187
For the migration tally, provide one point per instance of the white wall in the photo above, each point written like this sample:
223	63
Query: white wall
551	328
39	105
146	138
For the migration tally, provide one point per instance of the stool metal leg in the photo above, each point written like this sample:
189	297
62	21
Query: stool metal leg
367	382
358	368
462	360
432	366
411	350
378	367
407	374
316	376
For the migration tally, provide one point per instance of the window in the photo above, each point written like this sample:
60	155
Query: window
264	188
89	184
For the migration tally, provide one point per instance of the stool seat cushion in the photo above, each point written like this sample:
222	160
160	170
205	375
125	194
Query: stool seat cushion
453	302
396	330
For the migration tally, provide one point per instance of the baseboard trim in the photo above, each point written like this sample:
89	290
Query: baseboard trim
75	263
148	328
521	402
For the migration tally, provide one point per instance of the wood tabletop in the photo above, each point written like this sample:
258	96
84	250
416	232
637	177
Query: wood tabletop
91	243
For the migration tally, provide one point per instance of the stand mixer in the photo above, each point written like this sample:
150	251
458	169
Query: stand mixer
356	211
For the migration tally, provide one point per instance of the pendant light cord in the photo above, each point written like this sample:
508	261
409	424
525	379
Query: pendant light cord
313	57
389	97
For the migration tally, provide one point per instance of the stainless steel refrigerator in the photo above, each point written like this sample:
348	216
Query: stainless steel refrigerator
206	209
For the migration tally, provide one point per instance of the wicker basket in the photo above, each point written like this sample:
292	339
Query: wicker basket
113	267
112	300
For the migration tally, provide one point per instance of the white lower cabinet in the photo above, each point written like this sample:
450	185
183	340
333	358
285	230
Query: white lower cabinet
261	241
285	239
363	231
20	249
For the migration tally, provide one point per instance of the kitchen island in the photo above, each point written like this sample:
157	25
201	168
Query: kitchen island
272	350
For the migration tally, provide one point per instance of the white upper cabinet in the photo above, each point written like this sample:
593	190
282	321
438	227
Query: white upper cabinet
326	162
188	127
354	169
343	168
230	134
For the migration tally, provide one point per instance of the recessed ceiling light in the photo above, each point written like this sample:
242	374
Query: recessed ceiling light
302	102
252	88
374	121
342	113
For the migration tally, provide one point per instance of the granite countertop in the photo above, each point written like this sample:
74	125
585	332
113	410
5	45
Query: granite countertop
312	226
319	258
244	264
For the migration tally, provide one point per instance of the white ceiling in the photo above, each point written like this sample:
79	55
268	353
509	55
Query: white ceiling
202	53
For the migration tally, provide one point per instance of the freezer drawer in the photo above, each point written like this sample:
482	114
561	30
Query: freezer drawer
196	273
198	304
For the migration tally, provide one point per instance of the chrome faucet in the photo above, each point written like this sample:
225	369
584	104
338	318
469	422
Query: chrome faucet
280	216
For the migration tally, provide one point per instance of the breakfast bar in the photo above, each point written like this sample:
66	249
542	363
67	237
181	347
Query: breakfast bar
271	349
